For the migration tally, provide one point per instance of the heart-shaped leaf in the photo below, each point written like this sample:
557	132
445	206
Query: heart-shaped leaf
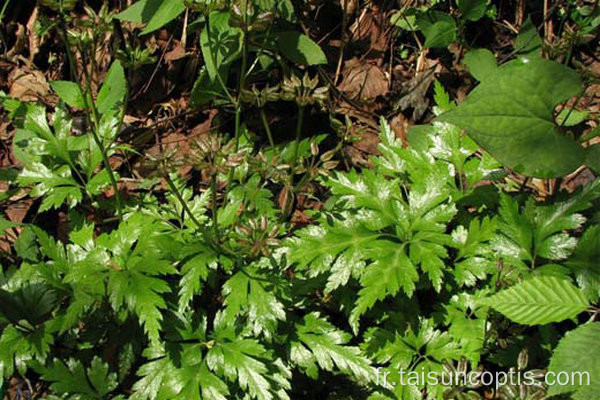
511	115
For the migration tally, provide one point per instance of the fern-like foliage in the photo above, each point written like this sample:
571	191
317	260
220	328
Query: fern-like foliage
389	225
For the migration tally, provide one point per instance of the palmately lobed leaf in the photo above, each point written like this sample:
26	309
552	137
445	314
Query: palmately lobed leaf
328	347
392	271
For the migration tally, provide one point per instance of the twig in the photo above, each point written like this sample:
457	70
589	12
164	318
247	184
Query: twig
344	40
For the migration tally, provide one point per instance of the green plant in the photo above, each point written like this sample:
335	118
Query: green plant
224	284
387	237
65	167
440	28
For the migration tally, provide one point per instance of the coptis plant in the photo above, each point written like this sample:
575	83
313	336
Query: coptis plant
254	259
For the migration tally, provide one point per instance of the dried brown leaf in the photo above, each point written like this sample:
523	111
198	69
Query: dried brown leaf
363	80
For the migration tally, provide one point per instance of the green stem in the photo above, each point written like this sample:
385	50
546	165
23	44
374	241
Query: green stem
93	122
306	175
241	84
297	140
238	105
288	200
213	190
262	47
263	117
183	203
212	241
4	9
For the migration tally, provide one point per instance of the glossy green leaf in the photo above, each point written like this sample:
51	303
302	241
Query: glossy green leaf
72	378
393	271
165	13
141	11
32	303
252	294
319	342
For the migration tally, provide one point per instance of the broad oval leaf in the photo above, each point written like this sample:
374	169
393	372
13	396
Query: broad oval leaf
140	11
511	115
539	300
167	11
300	49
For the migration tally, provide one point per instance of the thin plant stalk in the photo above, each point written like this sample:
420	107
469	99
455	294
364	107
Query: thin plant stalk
183	203
94	122
241	84
263	117
286	208
297	140
213	193
215	244
238	103
4	6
